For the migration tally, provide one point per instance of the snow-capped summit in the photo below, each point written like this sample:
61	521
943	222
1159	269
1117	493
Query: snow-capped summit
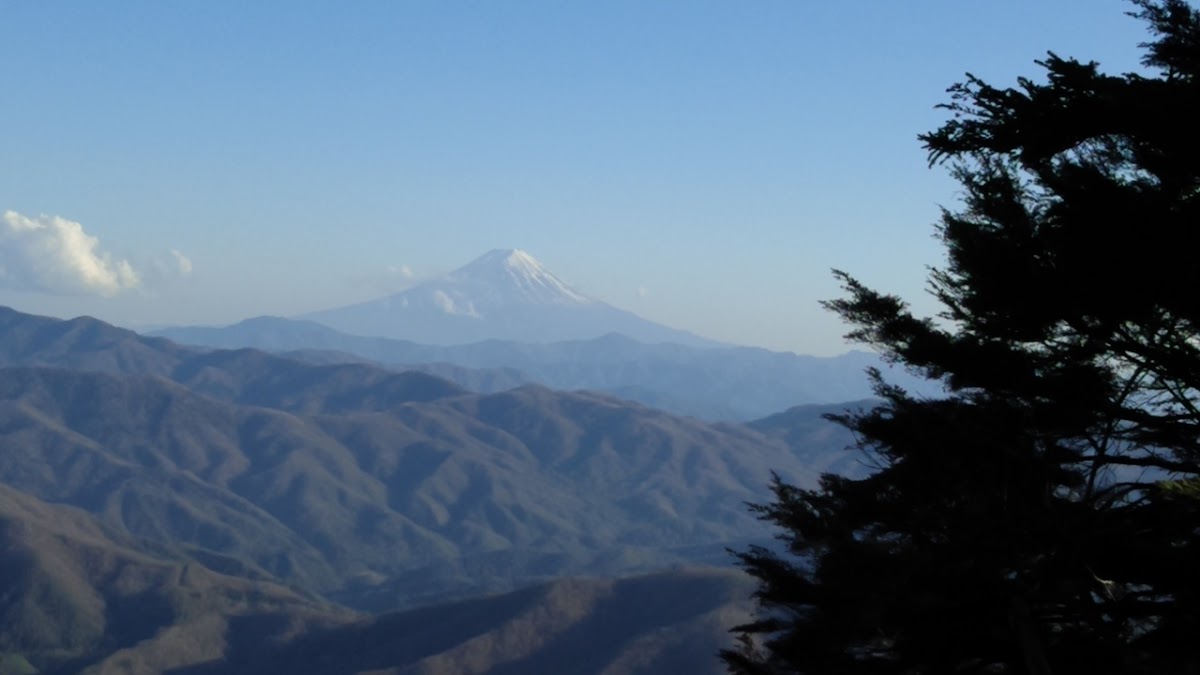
514	276
505	294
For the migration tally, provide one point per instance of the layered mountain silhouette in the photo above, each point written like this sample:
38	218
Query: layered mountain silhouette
173	509
662	623
717	384
459	494
77	597
504	295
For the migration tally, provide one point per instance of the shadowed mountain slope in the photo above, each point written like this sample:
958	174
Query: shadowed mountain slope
77	597
74	593
662	623
813	438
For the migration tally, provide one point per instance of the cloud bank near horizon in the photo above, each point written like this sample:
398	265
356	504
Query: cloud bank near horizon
51	254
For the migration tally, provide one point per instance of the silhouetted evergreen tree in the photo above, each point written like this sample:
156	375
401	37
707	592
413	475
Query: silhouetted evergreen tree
1043	516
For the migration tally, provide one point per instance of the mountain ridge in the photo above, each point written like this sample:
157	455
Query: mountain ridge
269	444
716	384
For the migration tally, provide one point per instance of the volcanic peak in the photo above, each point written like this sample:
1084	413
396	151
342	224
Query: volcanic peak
517	270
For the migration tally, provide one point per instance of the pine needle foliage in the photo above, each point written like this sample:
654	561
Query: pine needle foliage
1044	515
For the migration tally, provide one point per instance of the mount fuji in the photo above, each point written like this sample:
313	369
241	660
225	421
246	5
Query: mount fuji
505	294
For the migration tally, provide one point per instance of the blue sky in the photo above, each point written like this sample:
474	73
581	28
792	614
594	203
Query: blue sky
703	164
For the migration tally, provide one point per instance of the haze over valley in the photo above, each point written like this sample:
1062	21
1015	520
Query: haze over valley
284	472
511	321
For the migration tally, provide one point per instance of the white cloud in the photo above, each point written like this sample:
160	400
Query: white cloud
448	305
160	270
55	255
183	263
51	254
388	279
642	291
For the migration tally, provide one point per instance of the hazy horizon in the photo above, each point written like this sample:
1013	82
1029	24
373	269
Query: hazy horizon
702	165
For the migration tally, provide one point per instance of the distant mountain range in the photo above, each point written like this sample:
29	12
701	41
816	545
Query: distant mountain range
503	295
174	509
717	384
